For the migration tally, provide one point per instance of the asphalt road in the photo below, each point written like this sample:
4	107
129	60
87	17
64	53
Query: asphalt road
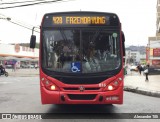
22	95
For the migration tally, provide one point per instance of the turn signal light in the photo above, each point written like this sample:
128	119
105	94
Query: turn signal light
113	85
49	85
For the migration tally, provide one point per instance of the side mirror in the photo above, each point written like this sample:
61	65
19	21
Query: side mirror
123	44
32	41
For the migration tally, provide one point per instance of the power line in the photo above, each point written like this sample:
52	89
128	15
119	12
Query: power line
23	26
20	2
12	19
30	28
23	5
9	19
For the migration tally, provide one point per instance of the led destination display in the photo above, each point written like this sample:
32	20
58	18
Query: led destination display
81	20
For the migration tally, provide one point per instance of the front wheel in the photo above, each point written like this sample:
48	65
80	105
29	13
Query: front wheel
6	74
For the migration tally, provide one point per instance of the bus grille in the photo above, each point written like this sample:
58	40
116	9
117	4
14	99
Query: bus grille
66	88
81	96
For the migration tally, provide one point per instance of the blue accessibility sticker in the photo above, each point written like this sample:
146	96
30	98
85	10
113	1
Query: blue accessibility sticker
75	67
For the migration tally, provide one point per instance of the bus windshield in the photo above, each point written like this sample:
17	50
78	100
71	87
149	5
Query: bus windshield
81	50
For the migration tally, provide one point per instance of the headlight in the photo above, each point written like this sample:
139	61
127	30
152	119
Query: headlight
110	87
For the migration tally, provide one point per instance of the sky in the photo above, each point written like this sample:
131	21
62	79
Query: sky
138	18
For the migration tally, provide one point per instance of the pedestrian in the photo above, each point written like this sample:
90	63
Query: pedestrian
2	69
12	67
139	67
36	66
15	67
146	72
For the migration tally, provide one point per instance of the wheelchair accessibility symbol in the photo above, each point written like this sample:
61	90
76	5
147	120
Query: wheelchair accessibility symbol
75	67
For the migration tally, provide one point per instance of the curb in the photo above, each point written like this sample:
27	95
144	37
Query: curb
142	91
23	75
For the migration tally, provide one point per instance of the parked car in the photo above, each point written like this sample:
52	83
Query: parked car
31	66
8	66
154	70
133	68
24	66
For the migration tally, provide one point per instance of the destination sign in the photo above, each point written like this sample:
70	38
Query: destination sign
80	20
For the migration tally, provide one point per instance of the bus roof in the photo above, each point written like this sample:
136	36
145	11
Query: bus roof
81	12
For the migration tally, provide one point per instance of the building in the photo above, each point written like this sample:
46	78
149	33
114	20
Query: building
11	54
153	47
135	57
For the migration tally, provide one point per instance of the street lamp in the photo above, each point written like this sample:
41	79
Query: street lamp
7	18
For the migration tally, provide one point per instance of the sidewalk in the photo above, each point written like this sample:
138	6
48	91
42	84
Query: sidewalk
137	84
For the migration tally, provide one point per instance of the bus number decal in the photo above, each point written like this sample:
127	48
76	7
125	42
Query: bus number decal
102	85
57	20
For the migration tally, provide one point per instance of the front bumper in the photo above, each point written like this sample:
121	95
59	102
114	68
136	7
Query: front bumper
68	97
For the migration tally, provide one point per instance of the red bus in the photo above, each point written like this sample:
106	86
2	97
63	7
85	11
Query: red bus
81	58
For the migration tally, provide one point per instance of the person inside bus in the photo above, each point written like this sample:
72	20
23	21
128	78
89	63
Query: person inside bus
90	51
